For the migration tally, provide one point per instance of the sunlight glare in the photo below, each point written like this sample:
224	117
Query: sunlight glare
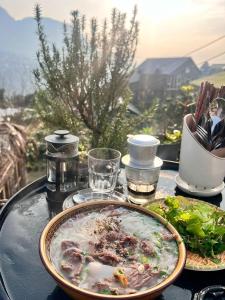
162	10
156	11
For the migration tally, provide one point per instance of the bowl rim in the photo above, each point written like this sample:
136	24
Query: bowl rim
94	204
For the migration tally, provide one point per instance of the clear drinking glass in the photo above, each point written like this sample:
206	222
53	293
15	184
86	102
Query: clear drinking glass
103	168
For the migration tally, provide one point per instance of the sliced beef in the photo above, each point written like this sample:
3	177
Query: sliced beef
106	285
75	280
108	241
104	255
68	244
146	247
66	267
112	236
92	248
117	245
129	241
124	252
89	258
77	261
139	280
101	286
133	257
138	276
108	257
69	252
95	248
74	260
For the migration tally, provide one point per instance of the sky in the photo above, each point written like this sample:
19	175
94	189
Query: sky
167	27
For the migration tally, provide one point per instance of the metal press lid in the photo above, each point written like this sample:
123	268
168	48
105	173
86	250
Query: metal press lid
144	140
62	137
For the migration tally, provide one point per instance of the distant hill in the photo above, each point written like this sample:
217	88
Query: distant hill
218	79
16	73
18	47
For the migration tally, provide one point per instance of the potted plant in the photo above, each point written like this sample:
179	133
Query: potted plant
169	148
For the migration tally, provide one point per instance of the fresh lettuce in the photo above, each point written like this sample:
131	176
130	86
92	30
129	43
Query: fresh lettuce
201	225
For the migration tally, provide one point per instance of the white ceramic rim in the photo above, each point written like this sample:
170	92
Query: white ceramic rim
156	163
191	133
157	142
184	186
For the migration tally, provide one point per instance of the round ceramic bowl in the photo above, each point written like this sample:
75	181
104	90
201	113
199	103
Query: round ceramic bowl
81	294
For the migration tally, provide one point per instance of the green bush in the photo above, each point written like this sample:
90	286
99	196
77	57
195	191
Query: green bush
83	87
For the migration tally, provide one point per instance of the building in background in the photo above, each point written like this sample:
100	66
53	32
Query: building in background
207	69
157	77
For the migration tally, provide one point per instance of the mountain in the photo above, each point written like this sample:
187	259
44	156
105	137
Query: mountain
18	47
16	73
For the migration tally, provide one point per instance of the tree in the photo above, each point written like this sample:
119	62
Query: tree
85	84
2	97
170	111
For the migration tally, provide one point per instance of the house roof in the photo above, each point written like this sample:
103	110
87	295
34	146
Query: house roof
163	65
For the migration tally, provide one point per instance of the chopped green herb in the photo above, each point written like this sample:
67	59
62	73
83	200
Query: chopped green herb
144	259
158	244
163	273
216	260
105	292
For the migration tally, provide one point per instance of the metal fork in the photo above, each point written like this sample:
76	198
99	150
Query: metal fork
202	134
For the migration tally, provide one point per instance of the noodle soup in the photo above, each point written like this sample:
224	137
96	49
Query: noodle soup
113	251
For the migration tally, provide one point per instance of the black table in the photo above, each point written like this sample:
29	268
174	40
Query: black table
22	275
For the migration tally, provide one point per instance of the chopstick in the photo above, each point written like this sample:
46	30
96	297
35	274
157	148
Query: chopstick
207	94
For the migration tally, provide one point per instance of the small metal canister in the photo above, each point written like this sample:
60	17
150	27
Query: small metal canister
142	167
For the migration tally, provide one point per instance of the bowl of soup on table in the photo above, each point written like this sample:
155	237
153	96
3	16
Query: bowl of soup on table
111	250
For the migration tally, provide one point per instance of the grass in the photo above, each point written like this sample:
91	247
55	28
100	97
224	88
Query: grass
217	79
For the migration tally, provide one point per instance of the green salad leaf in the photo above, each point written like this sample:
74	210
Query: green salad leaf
105	292
201	225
